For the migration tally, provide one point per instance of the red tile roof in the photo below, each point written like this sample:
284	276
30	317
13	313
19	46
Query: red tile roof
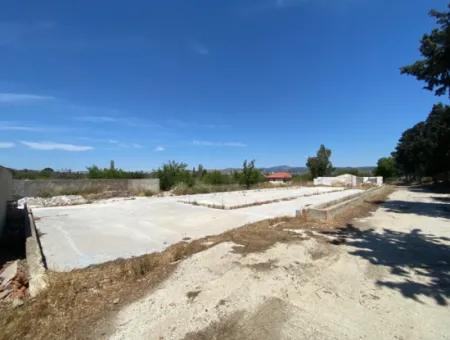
279	175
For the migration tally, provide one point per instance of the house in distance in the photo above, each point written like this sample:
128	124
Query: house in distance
279	177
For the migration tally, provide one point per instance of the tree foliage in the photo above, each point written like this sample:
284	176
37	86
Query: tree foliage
250	175
216	177
434	69
113	173
321	164
424	149
173	173
386	167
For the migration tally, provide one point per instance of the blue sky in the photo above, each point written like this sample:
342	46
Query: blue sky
211	82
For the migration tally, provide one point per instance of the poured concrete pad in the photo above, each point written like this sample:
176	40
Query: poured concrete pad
78	236
238	199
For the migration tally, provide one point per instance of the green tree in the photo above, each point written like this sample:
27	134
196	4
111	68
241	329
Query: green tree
250	175
423	150
386	168
215	177
173	173
321	164
46	173
434	69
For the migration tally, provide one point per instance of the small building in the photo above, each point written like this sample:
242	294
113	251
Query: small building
279	177
348	180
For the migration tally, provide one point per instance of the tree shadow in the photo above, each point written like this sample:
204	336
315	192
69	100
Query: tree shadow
420	262
430	209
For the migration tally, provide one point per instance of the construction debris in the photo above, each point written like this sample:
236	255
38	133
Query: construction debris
55	201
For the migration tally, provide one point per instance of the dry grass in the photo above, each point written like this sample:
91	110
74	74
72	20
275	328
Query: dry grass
81	303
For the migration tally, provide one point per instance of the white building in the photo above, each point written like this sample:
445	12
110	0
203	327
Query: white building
348	180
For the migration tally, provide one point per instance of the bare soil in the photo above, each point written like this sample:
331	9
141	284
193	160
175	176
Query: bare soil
82	304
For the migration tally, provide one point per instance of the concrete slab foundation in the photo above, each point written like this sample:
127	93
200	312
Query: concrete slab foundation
247	198
79	236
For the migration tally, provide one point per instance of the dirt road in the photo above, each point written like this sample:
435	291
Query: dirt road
383	277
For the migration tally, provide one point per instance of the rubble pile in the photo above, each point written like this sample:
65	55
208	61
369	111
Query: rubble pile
55	201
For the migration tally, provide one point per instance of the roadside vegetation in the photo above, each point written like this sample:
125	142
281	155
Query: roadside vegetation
423	151
175	176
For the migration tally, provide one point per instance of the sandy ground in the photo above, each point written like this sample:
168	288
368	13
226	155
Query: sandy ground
383	277
82	235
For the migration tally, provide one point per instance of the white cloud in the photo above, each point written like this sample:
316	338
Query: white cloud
182	124
128	121
12	126
209	143
6	145
8	97
97	119
125	145
56	146
159	148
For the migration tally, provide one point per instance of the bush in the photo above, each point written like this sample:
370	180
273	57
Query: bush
216	177
173	173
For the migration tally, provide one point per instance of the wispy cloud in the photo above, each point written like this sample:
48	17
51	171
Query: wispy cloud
6	145
14	126
218	144
125	145
19	98
199	47
189	124
159	148
116	143
56	146
128	121
97	119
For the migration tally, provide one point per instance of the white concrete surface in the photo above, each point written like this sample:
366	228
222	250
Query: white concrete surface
81	235
348	180
236	199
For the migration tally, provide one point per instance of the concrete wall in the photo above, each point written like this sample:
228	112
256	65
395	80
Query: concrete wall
329	210
5	194
348	180
23	188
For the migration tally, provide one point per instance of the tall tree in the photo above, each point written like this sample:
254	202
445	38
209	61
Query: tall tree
321	164
424	149
386	167
434	69
250	174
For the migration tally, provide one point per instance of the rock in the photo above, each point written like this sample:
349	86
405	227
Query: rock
17	303
5	293
54	201
8	274
116	301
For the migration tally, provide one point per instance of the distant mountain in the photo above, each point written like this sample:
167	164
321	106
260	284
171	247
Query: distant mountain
301	169
285	168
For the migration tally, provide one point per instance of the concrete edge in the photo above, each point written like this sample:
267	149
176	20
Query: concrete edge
37	269
258	203
328	211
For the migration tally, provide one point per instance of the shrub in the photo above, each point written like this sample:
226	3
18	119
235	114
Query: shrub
173	173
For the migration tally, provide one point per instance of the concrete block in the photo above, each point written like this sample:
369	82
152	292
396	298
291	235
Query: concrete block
38	280
332	209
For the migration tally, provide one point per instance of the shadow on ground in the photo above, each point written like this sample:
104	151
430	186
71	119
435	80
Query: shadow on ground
430	209
420	262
